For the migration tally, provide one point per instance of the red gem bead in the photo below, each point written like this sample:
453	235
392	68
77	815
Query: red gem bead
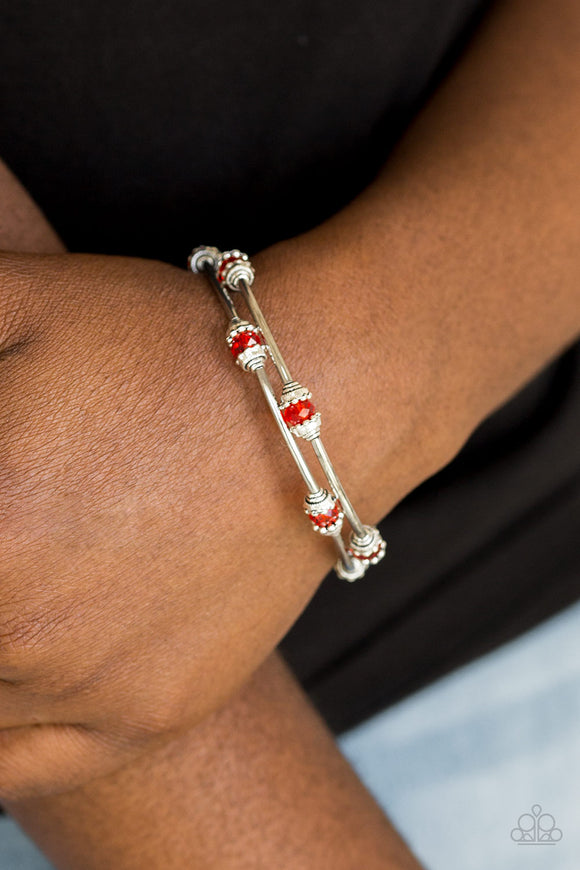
326	518
223	266
298	412
243	340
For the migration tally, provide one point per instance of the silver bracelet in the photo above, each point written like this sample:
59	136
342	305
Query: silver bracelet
296	416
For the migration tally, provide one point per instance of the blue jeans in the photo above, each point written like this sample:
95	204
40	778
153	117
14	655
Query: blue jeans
463	766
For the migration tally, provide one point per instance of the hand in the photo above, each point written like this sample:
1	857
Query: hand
144	498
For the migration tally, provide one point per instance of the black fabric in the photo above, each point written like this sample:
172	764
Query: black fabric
146	128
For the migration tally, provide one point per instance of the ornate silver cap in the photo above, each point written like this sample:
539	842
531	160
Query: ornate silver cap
232	267
202	256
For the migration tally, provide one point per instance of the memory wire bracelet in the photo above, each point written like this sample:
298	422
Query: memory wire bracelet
297	418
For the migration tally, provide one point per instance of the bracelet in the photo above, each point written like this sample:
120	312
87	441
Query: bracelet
250	345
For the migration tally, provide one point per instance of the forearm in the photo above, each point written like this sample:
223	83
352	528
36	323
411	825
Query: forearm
455	276
260	784
470	233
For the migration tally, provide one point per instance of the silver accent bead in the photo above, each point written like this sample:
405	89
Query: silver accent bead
202	256
240	326
292	391
358	571
369	549
238	270
252	358
315	499
308	430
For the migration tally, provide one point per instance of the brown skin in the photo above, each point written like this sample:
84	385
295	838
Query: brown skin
119	627
477	289
258	785
134	451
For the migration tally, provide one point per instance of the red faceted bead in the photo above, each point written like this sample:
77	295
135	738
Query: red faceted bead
223	266
243	340
298	412
326	518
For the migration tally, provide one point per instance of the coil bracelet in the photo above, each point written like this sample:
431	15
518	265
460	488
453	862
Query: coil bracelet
251	343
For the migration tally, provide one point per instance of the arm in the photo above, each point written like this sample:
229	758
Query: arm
476	214
259	784
465	245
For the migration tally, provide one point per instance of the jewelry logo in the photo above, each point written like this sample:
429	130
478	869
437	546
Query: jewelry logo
536	829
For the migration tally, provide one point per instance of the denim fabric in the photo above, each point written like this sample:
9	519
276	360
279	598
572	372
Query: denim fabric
457	764
17	852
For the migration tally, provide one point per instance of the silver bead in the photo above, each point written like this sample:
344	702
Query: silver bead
292	391
240	269
369	548
310	429
358	570
202	256
251	358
